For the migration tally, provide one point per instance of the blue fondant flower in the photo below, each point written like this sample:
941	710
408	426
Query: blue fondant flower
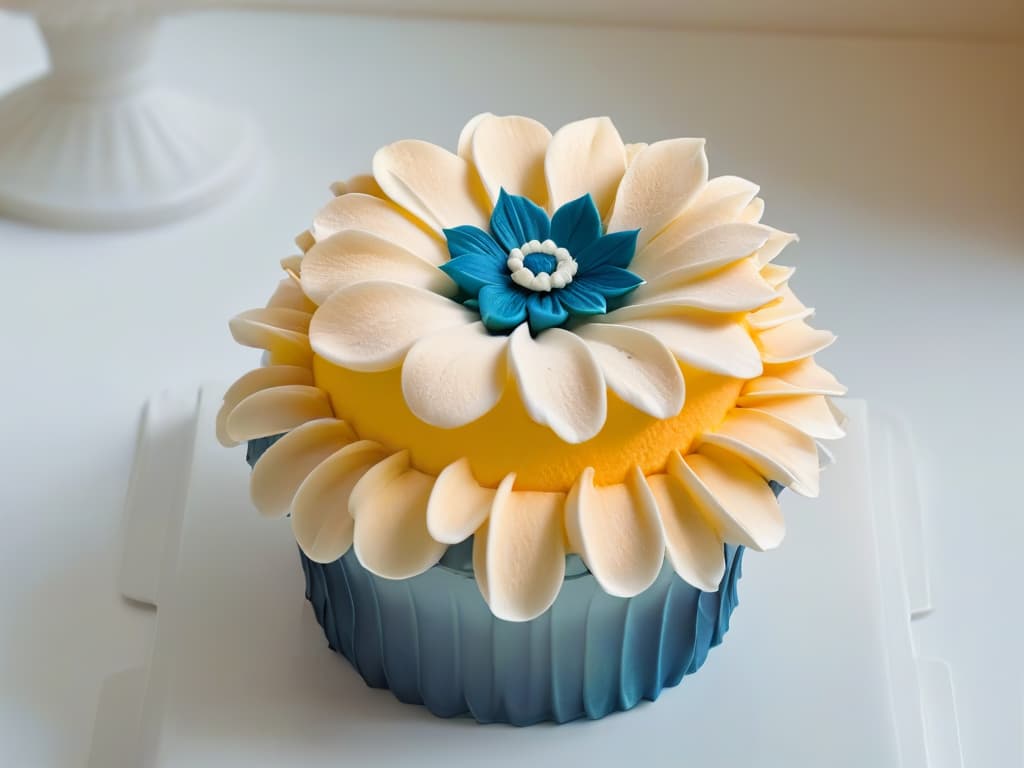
540	270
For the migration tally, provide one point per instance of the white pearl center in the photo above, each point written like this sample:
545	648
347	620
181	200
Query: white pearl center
565	266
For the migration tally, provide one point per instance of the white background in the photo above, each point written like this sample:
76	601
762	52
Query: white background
898	162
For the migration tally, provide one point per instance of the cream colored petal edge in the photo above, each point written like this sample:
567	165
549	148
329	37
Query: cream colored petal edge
792	341
276	410
738	287
437	187
508	153
455	376
637	367
803	377
389	506
735	497
786	309
353	256
559	382
254	381
704	252
811	414
284	465
321	521
370	326
382	218
458	504
465	146
521	552
617	532
660	182
279	330
289	295
693	546
776	450
587	156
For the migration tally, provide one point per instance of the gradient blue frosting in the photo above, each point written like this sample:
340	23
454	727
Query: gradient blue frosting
432	640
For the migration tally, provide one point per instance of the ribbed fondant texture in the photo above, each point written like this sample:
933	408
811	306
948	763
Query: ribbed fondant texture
432	639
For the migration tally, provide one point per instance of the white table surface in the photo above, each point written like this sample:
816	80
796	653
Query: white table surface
897	162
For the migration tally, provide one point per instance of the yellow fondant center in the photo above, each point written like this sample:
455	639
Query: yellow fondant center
506	439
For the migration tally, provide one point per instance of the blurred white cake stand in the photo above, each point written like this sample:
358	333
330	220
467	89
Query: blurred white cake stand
95	143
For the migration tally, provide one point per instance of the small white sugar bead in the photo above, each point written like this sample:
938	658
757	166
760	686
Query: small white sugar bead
514	264
523	277
558	280
542	282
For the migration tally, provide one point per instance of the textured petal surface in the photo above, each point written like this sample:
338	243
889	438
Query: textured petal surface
255	381
693	546
703	252
389	505
458	504
370	326
711	345
737	499
455	376
810	414
352	256
736	288
276	410
792	341
585	156
508	153
559	382
283	467
804	377
502	307
378	217
321	521
429	182
617	532
660	182
776	450
576	225
520	551
637	367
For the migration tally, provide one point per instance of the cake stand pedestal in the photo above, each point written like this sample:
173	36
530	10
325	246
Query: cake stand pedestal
94	143
819	667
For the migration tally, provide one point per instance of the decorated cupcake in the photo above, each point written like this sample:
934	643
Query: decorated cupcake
526	404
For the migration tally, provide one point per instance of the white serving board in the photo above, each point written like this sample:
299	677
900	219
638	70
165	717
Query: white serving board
819	668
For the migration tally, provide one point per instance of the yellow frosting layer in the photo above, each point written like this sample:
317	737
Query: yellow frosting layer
507	440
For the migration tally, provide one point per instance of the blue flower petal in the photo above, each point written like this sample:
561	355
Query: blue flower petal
582	300
501	308
611	281
517	220
545	311
473	271
469	239
615	250
576	225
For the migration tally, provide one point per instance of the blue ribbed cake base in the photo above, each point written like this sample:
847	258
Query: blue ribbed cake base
432	640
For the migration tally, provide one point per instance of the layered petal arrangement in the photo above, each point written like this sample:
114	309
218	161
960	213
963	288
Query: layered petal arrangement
552	343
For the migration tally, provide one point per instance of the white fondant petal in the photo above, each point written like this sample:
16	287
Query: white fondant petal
775	449
585	156
508	153
632	150
617	532
321	521
792	341
389	506
810	414
370	326
738	500
305	240
559	382
352	256
637	367
774	245
458	504
284	465
786	309
804	377
776	274
712	345
660	182
276	410
465	147
753	212
694	548
429	182
289	295
704	252
382	218
736	288
520	552
255	381
455	376
276	329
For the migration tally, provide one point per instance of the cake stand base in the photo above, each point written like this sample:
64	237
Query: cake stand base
819	667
